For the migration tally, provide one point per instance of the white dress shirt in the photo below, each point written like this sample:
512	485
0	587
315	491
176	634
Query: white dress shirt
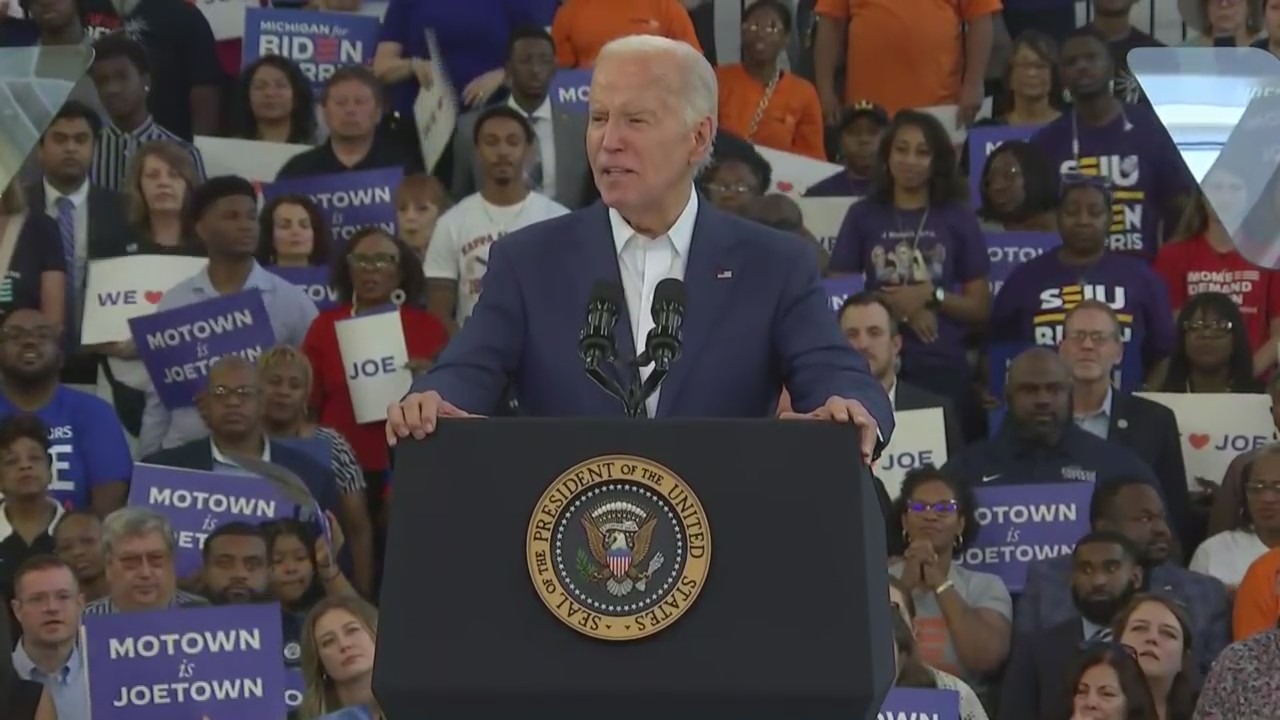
80	201
643	263
540	119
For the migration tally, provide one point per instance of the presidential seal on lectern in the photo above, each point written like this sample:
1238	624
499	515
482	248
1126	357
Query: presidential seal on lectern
618	547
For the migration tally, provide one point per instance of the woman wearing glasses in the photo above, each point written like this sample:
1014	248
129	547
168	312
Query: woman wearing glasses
376	273
1211	352
1158	631
964	619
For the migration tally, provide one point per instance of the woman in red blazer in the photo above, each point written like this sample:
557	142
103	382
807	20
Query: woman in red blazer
376	272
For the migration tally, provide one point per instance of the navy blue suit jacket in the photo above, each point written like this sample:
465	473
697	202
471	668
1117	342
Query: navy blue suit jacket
756	318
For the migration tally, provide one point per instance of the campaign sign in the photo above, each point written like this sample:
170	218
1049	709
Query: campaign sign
187	664
794	174
982	142
197	502
179	346
1008	250
1022	524
920	704
313	279
351	201
294	686
118	289
1217	427
919	439
318	42
374	356
824	216
571	90
257	161
840	288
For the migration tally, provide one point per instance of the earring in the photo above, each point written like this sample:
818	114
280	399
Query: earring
1066	96
398	296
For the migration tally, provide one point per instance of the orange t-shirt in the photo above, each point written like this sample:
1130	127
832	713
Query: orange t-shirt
1257	605
905	54
582	27
792	121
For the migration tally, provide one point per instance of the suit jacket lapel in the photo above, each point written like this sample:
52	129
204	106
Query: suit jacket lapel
602	264
708	284
1116	429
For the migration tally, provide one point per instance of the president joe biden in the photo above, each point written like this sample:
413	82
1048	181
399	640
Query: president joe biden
756	316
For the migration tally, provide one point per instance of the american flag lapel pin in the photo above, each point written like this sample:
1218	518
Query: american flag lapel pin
724	275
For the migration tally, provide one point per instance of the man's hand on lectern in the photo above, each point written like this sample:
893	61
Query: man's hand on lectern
845	410
416	415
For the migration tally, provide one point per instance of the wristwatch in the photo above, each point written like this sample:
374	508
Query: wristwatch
936	300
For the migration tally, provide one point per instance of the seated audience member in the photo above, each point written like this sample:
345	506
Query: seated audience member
37	273
1227	555
338	644
1132	507
77	540
1018	190
861	127
420	202
735	178
28	512
223	214
1242	683
1105	575
287	381
1037	441
139	547
583	27
557	165
1229	497
121	72
90	455
762	102
1257	601
1158	630
965	617
233	407
48	604
1107	684
1211	351
21	699
1092	348
351	104
274	103
911	671
292	232
303	571
458	257
159	183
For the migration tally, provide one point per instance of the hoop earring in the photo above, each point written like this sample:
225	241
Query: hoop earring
398	297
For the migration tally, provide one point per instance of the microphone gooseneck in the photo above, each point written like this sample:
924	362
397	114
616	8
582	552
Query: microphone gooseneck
665	341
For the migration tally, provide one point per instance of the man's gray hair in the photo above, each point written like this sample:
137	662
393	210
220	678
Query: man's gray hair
134	521
697	79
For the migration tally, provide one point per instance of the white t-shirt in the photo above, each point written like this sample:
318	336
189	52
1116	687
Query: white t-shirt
459	248
1228	555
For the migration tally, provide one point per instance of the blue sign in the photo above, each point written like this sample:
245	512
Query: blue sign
1008	250
1022	524
839	289
294	686
179	346
351	201
571	90
187	664
982	142
312	279
920	704
318	42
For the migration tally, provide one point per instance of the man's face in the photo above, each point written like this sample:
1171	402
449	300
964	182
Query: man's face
869	331
1102	581
140	572
1039	395
232	404
29	347
531	67
236	571
503	150
1262	492
1091	346
53	14
1137	512
120	86
1086	67
48	604
66	151
351	110
78	543
639	142
229	226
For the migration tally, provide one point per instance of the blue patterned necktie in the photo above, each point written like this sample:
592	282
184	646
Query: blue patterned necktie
67	232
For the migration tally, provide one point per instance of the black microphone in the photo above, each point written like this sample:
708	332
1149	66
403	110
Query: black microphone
665	340
596	344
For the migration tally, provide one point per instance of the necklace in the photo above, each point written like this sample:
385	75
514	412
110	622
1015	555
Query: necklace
501	227
764	103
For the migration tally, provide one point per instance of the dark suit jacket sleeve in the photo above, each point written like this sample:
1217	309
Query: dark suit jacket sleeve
473	370
817	362
1026	617
1020	690
1172	471
463	146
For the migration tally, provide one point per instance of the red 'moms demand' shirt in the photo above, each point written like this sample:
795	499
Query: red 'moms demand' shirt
1192	266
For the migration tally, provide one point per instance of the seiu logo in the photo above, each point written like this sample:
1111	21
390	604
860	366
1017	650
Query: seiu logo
906	460
1123	172
371	368
1065	298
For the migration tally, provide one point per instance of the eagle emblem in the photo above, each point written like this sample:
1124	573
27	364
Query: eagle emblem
618	536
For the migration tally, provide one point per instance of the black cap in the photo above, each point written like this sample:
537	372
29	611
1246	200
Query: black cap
864	109
215	189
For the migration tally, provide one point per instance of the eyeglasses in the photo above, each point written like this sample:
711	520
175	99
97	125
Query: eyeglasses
945	507
372	261
1035	66
1261	488
1208	328
736	189
39	334
241	392
770	29
1097	337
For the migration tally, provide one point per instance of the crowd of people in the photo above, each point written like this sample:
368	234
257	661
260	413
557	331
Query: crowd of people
1165	610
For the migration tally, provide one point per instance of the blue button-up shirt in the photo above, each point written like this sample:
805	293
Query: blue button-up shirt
291	313
1098	422
69	686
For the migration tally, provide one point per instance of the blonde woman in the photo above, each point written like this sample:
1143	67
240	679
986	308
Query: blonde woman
34	268
158	183
338	643
420	201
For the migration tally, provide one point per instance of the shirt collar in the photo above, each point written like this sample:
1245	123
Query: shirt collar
1103	411
27	669
77	196
259	279
220	459
893	394
1090	629
6	530
542	112
680	234
138	132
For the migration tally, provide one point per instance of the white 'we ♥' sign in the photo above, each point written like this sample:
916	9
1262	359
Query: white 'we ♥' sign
119	289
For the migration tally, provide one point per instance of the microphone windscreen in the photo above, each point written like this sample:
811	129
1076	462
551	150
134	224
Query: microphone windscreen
669	291
607	292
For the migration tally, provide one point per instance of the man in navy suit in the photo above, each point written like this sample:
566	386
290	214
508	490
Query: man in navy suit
756	318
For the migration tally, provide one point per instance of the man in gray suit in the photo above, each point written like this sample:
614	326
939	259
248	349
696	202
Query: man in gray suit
559	168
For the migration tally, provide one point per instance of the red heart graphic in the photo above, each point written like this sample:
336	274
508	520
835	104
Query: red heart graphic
785	186
152	296
1198	440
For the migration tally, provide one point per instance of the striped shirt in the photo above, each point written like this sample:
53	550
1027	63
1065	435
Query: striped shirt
115	147
181	599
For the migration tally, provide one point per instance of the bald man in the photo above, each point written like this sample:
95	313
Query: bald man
1039	442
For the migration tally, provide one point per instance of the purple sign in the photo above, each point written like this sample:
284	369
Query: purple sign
1022	524
839	289
312	279
571	90
294	686
318	42
188	664
351	201
197	502
1008	250
920	704
982	141
179	346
